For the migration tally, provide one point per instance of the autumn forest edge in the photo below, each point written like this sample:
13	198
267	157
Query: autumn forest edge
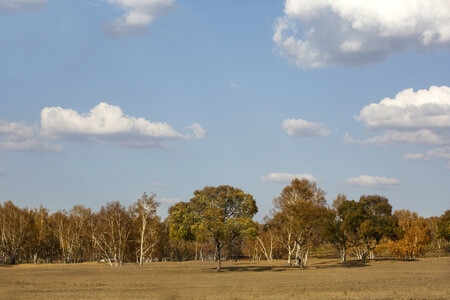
217	224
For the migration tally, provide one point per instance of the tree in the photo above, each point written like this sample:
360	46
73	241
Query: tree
63	230
181	221
16	225
71	229
336	232
110	231
266	239
79	217
221	213
444	226
413	234
300	218
42	244
366	222
146	221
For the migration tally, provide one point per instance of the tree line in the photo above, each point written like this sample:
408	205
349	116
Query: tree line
216	224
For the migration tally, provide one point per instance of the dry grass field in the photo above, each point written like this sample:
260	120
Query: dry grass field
427	278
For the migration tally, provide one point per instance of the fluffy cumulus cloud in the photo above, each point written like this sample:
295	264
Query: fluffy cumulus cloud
108	123
286	177
138	14
411	117
320	33
104	123
14	6
373	182
302	128
410	109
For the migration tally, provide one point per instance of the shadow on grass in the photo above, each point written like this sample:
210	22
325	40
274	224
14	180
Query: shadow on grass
322	265
347	264
254	269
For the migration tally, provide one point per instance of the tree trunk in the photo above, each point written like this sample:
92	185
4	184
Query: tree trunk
343	254
141	254
219	258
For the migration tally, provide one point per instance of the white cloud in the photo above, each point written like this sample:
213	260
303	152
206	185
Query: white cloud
438	153
373	181
103	124
108	123
286	177
138	14
443	153
419	137
421	117
198	130
414	156
410	110
320	33
15	6
302	128
20	136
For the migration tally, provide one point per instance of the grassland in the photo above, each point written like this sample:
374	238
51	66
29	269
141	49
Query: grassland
427	278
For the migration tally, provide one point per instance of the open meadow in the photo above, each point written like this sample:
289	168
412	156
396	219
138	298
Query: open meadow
426	278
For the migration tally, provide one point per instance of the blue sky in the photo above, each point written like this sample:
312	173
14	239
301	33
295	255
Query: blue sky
102	100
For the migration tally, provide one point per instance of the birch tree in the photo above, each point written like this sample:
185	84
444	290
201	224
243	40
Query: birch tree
301	218
146	222
110	231
15	228
266	239
42	244
413	234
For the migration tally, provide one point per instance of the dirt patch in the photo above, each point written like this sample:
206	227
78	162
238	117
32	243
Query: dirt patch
427	278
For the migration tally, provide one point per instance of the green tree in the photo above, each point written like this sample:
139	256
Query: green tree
221	213
337	232
366	222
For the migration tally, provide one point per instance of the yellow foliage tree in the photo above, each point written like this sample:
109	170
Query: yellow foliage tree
412	236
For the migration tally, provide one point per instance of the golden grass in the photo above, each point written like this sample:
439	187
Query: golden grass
427	278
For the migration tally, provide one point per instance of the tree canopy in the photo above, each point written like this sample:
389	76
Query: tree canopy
222	213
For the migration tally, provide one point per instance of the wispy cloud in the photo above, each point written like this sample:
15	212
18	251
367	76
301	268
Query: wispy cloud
138	14
20	136
303	128
414	156
17	6
373	182
198	131
313	34
286	177
440	153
